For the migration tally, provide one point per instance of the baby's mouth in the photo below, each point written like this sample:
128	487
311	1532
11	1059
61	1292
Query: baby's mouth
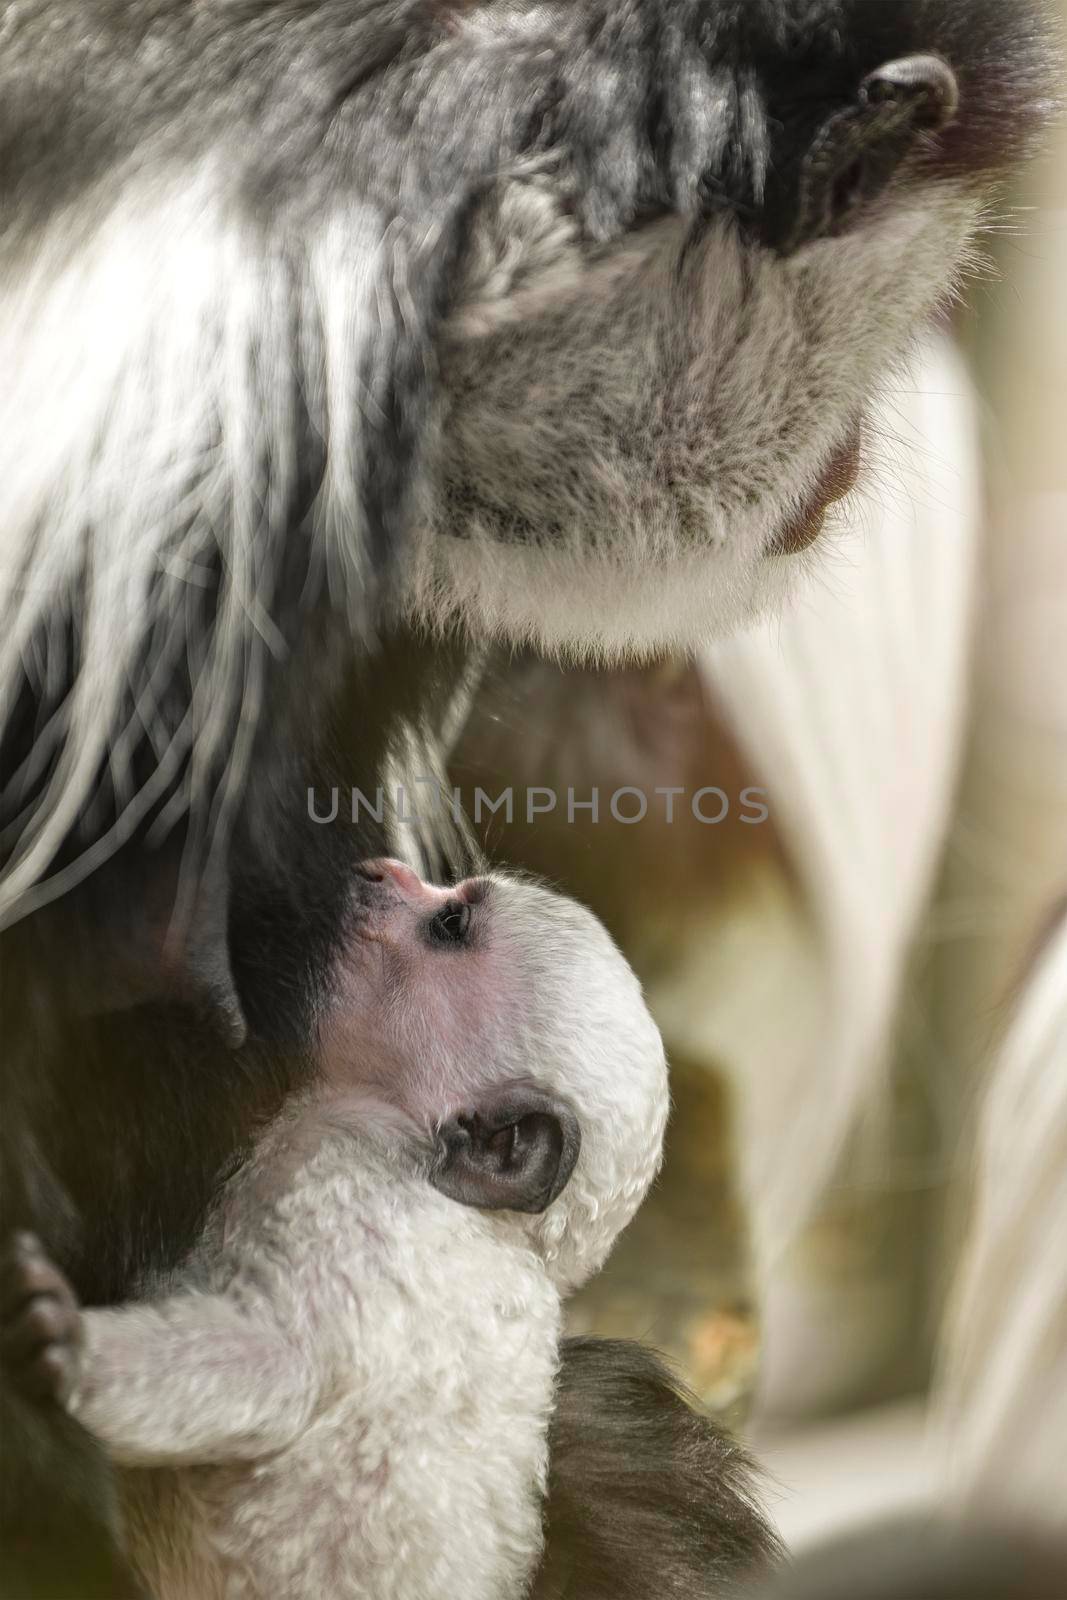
837	480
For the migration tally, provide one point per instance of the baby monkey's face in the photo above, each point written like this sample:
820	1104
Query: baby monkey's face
447	1000
430	991
412	919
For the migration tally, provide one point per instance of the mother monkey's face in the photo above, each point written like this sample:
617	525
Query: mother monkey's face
668	322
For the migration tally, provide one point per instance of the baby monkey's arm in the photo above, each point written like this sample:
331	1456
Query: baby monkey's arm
192	1379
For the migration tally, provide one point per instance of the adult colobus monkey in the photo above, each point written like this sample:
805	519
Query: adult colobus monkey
335	334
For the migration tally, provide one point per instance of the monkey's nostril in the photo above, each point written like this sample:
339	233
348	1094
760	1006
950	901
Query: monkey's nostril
370	872
924	84
407	883
854	155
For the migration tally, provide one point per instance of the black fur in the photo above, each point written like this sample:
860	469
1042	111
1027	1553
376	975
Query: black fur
647	1497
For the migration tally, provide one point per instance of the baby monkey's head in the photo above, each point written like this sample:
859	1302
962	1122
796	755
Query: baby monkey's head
501	1018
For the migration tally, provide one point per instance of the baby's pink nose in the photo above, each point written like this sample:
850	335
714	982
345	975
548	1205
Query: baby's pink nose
407	883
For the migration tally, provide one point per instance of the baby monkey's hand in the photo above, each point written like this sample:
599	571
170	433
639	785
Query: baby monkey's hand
40	1323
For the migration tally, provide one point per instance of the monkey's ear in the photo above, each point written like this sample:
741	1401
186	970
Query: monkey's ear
514	1152
852	156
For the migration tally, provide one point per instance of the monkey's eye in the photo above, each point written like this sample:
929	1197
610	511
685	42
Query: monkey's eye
450	924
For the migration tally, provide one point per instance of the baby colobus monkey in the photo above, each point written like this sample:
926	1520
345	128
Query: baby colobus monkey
346	1389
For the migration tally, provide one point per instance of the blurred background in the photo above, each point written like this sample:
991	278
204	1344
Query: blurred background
857	1252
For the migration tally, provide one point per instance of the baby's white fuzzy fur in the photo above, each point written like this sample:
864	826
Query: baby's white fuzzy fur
347	1391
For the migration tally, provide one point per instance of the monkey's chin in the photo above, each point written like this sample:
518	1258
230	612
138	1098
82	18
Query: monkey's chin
837	480
653	590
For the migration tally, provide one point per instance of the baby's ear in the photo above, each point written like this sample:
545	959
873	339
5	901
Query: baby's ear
514	1151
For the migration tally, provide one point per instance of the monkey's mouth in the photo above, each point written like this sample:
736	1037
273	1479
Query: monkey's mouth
838	479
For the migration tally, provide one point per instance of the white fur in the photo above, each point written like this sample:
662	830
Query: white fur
376	1428
348	1393
851	709
149	351
1003	1401
588	1034
1000	1400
